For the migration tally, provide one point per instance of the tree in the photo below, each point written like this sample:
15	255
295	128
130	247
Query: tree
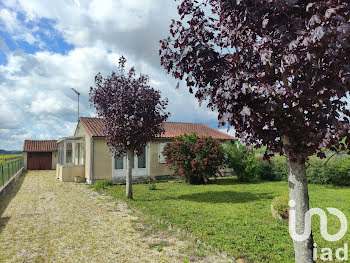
194	158
277	71
132	113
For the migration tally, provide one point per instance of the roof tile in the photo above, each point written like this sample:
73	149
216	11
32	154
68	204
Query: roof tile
40	146
94	127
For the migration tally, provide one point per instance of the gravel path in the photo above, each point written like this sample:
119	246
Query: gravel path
44	220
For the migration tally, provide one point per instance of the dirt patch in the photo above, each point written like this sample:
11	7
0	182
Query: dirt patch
50	221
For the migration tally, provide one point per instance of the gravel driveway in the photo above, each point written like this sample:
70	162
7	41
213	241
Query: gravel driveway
45	220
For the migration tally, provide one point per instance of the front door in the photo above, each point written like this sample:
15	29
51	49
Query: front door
140	166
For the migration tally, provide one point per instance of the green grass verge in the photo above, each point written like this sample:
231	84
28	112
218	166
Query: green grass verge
235	217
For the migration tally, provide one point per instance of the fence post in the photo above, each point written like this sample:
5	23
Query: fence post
2	175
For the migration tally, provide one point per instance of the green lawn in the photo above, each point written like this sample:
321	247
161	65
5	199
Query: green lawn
236	217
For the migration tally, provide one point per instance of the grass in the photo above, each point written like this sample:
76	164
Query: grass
235	217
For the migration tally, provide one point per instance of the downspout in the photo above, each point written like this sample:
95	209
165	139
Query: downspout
92	160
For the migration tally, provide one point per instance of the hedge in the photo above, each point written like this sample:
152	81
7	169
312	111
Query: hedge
336	171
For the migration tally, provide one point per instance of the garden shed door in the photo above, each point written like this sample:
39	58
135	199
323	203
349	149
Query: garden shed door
39	161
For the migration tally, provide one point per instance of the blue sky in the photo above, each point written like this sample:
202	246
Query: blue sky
38	35
49	47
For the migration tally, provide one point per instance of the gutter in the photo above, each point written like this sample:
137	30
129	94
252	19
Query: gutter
92	159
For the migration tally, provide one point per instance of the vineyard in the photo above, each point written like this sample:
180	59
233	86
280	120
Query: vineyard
8	157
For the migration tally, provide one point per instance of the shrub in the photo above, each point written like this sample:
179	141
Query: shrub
275	170
281	205
279	168
336	171
264	170
244	164
317	172
102	184
151	183
339	172
195	159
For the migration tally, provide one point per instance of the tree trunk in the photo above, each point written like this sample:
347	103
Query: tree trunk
298	191
129	156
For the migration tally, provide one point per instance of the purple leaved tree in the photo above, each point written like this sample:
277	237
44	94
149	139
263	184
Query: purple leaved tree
278	71
132	113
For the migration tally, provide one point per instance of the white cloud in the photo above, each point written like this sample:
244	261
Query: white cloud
134	14
36	100
130	26
9	20
10	24
36	91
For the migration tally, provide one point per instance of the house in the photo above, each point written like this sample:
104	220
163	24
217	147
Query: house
86	154
40	155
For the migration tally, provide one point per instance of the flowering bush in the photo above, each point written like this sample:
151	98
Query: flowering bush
196	159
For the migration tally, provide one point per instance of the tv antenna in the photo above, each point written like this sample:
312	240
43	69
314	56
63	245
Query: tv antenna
76	92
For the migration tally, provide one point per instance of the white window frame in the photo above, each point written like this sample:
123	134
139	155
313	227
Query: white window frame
136	172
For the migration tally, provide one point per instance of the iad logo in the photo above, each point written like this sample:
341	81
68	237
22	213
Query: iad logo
327	253
323	223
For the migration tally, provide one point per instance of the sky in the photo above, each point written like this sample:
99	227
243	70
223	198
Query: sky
49	47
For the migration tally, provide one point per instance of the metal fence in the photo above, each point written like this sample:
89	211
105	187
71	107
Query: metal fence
9	169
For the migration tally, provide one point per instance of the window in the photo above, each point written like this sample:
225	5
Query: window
81	159
119	163
78	153
60	153
69	153
161	157
142	160
136	162
133	162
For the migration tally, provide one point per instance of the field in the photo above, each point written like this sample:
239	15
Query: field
9	157
236	217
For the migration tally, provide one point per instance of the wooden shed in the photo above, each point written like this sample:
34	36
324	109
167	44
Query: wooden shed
40	155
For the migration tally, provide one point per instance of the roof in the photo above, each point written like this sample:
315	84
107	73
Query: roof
94	127
40	146
175	129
